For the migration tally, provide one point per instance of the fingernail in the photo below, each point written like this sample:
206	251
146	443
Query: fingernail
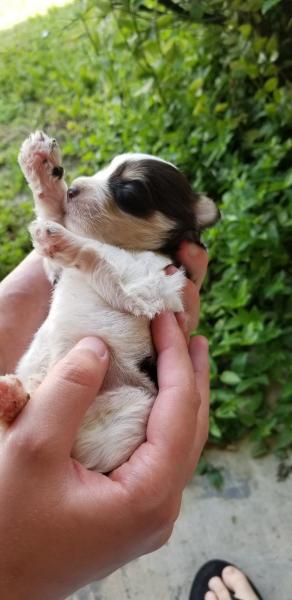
95	344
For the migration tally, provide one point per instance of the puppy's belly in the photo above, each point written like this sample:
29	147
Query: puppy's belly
116	422
78	311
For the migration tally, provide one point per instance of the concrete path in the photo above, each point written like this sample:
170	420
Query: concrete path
249	522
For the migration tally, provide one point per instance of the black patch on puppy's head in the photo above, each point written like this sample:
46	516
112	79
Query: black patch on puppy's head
141	187
132	196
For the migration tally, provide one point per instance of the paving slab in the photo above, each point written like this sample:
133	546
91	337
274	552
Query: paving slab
248	522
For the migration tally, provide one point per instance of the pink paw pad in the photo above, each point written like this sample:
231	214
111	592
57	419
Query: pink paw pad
13	398
48	238
40	153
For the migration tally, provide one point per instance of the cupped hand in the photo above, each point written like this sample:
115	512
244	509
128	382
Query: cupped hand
61	525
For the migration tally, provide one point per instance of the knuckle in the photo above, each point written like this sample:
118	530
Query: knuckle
80	370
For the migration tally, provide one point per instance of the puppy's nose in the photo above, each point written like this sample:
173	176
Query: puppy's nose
72	192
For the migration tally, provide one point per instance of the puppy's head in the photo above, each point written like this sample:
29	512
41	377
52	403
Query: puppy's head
138	202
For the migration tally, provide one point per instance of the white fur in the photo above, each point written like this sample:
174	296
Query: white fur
105	291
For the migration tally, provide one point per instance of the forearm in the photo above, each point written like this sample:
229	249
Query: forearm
24	303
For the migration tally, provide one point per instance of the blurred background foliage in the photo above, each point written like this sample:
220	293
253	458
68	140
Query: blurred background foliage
206	85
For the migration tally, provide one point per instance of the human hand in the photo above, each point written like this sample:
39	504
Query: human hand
24	304
61	525
195	260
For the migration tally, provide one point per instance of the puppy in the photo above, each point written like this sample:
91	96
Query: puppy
106	241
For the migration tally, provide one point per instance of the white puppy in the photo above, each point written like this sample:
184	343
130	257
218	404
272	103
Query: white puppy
107	240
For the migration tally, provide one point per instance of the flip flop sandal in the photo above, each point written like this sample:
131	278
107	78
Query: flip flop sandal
213	568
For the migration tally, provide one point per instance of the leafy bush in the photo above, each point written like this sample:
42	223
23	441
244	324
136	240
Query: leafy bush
207	86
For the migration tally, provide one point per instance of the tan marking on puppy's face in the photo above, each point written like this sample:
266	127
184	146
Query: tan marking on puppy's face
132	233
138	202
93	213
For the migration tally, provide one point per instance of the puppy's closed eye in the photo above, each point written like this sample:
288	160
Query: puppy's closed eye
132	197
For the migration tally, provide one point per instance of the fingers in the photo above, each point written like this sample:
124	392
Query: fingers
195	259
156	474
56	409
178	422
172	421
198	350
191	302
189	319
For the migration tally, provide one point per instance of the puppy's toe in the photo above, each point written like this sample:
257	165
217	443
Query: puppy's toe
48	237
172	289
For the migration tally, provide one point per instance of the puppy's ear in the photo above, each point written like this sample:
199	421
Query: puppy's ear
206	211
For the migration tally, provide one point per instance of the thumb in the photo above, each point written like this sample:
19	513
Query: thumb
59	404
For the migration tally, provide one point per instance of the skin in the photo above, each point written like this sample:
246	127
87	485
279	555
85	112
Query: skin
62	526
232	581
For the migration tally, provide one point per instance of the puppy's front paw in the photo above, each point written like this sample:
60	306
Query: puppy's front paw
141	306
172	289
40	158
13	398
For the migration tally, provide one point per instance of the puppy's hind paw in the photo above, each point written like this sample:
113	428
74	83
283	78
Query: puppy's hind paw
13	398
49	238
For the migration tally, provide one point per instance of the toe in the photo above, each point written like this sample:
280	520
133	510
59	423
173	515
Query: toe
217	586
237	582
210	596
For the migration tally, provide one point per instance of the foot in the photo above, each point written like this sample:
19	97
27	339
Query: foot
54	241
13	398
151	296
40	161
232	581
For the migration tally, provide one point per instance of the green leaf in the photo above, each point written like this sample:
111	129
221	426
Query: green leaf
268	4
214	429
245	29
197	10
230	378
271	84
